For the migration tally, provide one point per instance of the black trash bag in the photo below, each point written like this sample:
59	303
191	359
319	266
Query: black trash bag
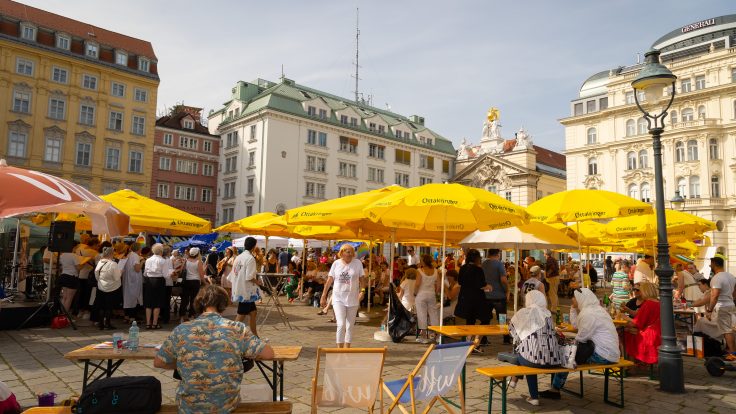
400	321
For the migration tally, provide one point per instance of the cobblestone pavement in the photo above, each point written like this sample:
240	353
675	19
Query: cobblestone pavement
31	361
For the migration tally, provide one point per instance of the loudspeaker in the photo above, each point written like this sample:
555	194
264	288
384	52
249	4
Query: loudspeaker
61	236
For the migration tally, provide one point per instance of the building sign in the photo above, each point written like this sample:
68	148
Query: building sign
698	25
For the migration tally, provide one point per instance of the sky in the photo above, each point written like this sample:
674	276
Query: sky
448	61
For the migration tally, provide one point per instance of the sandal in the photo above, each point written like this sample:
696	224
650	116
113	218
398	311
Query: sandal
156	326
332	320
321	313
149	326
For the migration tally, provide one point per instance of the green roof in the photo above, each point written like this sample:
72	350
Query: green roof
287	97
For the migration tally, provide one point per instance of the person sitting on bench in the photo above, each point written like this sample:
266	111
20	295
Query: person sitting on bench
597	338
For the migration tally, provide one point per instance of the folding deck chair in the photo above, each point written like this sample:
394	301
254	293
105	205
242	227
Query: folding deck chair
434	376
352	378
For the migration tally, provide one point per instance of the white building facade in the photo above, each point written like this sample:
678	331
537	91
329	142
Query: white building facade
608	145
285	145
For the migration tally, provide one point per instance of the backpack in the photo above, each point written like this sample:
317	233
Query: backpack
115	395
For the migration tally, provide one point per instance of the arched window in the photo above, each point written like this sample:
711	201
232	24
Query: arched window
631	161
645	192
633	191
694	186
682	186
643	159
692	150
715	187
592	136
713	148
630	128
687	114
592	166
734	109
641	126
679	152
701	112
673	117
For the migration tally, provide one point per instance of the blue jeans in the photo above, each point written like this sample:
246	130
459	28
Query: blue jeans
531	380
558	380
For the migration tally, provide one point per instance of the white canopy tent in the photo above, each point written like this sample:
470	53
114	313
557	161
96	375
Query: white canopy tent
279	242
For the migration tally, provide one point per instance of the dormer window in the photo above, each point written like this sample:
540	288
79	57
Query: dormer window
144	64
121	58
28	31
188	124
91	49
63	41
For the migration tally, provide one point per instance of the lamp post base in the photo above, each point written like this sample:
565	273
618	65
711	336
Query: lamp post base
671	371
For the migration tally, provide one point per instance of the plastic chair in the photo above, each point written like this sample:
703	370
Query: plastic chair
434	376
352	378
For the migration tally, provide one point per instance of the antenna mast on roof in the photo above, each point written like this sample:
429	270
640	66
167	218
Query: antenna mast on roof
357	39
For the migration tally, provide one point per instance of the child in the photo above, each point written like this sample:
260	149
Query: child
405	290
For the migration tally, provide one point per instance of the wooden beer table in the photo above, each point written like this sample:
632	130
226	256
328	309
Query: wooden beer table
464	331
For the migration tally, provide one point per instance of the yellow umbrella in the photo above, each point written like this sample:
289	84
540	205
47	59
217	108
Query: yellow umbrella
581	205
147	215
645	226
264	224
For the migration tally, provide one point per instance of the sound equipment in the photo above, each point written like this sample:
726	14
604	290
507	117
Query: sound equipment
61	236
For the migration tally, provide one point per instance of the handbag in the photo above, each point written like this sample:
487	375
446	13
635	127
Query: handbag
584	351
121	395
59	322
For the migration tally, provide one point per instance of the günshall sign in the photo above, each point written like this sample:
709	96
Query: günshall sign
698	25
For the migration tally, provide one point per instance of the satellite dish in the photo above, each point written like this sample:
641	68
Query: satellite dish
719	225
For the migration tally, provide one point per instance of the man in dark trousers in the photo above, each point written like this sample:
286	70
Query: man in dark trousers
552	274
609	269
284	258
495	274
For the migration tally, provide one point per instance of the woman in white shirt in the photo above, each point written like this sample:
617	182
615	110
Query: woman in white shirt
346	278
426	288
109	292
157	268
191	283
406	289
69	278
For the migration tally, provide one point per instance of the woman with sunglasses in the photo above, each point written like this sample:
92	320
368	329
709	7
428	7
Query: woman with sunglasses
632	306
643	333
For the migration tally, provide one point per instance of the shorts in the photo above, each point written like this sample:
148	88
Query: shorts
724	320
245	308
68	281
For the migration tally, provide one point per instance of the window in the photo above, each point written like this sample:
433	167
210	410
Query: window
24	67
164	163
208	170
59	75
507	195
426	162
687	114
115	121
144	64
168	139
634	191
135	164
679	152
185	192
314	190
602	104
345	191
715	187
17	143
121	58
91	50
139	125
349	145
347	169
673	117
112	158
630	128
492	189
162	191
590	106
62	41
311	137
317	138
592	166
22	102
344	119
641	126
733	74
425	180
248	211
316	164
251	159
141	95
446	166
645	192
187	166
117	89
228	215
253	132
592	136
52	151
89	82
578	109
207	146
323	113
86	114
57	108
311	111
229	190
401	179
27	32
682	186
375	175
643	159
685	86
694	186
188	124
701	112
376	151
371	126
353	122
231	164
403	157
206	195
398	134
692	150
231	140
631	161
713	149
699	82
250	185
629	97
381	129
84	154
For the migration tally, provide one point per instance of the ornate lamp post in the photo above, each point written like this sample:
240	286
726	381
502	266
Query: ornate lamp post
654	78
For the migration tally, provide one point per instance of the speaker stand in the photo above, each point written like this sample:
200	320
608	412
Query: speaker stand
52	301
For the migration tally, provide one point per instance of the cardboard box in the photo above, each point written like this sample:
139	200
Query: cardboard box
690	349
699	349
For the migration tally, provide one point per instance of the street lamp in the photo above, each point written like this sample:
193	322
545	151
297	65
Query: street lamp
654	78
677	201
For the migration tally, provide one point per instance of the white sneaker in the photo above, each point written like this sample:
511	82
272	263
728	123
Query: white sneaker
532	401
512	383
426	341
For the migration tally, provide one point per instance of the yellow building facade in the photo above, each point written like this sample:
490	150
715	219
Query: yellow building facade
77	101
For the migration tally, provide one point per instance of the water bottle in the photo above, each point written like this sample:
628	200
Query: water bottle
133	337
558	317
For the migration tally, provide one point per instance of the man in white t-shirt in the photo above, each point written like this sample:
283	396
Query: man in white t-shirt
643	272
412	258
722	303
244	279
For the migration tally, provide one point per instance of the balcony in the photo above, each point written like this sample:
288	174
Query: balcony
701	122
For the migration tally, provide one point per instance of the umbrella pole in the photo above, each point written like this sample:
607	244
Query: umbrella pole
591	266
580	252
370	265
444	268
390	275
516	281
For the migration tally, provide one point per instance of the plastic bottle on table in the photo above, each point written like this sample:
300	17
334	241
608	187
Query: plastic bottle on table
133	333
